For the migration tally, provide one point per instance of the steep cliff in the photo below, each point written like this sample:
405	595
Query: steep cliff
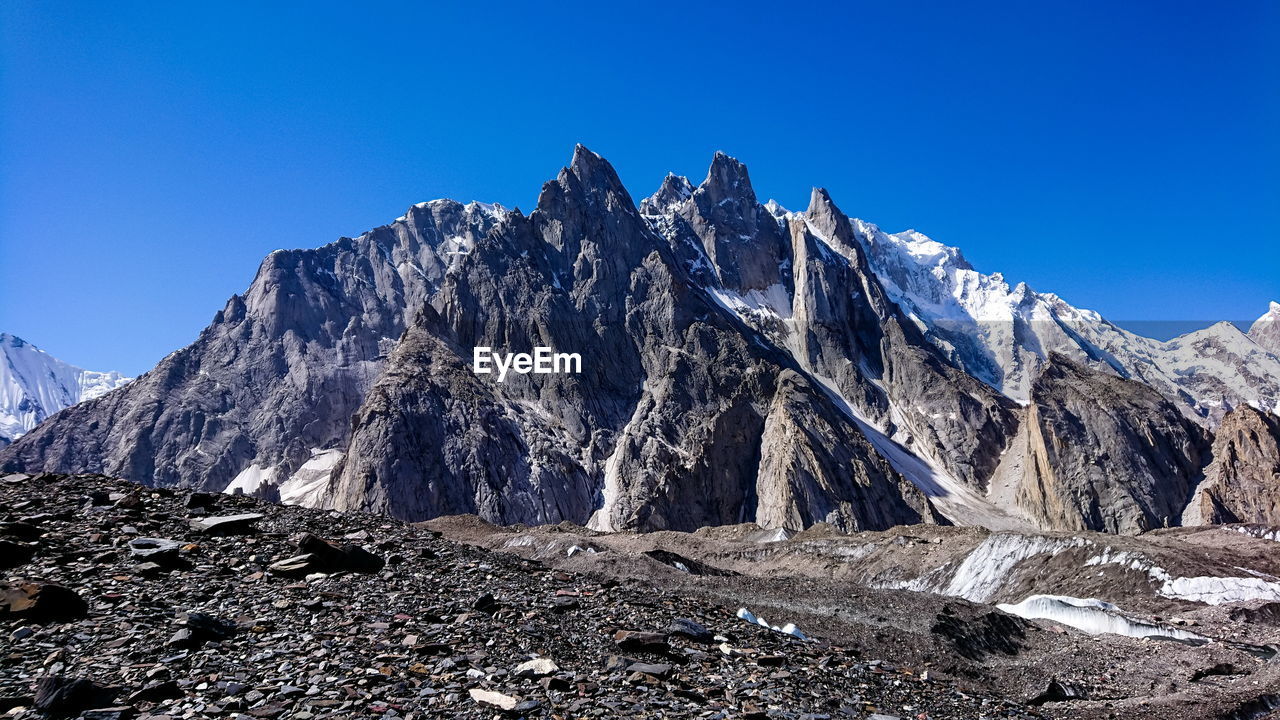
1242	482
1104	453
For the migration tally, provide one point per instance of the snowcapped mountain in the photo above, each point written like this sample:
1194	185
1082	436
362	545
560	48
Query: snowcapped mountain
1002	335
35	385
1266	330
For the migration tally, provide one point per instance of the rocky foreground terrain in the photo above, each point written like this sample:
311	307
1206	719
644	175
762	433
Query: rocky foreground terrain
123	601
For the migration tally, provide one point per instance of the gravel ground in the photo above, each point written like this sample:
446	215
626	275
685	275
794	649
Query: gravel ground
122	601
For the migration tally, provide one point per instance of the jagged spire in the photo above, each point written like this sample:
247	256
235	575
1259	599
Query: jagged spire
728	178
588	174
594	172
674	190
828	220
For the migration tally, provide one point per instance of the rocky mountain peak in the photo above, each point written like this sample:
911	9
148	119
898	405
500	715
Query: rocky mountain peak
719	228
1266	330
728	180
708	323
596	174
588	181
831	224
675	190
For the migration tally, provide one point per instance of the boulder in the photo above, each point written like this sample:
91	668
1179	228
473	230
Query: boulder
42	602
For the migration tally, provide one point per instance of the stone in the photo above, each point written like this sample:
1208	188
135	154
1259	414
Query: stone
494	699
535	668
486	603
654	669
564	604
317	555
1057	691
690	629
641	641
614	663
42	602
156	692
58	695
20	530
13	554
119	712
242	524
156	550
196	629
200	500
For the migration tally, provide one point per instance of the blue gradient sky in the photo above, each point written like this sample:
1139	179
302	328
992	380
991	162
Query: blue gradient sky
1123	155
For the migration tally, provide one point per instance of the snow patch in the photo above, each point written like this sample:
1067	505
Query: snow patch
1262	532
253	480
1202	589
309	485
984	570
788	629
774	301
574	550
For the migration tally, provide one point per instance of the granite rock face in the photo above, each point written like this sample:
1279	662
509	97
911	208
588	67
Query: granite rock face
803	281
1104	453
677	421
1242	483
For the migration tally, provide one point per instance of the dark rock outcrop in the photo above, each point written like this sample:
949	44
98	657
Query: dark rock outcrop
1104	453
1242	482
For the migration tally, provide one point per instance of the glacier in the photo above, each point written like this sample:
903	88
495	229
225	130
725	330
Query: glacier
35	385
1094	617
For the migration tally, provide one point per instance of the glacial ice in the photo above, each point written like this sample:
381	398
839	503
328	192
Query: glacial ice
1094	617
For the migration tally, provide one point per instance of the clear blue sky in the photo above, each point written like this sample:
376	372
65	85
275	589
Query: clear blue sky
1122	154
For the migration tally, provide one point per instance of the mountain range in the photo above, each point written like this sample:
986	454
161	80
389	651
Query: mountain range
741	363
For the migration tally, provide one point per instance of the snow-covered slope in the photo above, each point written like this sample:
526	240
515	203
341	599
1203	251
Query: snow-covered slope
35	385
1001	334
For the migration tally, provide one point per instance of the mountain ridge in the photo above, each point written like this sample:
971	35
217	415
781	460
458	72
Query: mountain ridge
736	344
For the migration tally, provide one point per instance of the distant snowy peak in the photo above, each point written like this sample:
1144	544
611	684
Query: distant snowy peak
1266	330
1002	334
35	385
